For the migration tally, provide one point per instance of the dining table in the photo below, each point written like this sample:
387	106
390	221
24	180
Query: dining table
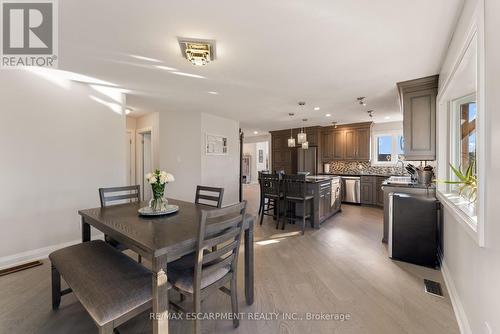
162	239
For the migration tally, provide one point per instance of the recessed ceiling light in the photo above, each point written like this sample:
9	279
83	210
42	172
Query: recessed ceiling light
146	58
128	111
328	115
213	93
189	75
256	132
166	68
387	117
317	108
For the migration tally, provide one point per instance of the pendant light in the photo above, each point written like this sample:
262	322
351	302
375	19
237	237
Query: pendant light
305	143
291	140
301	137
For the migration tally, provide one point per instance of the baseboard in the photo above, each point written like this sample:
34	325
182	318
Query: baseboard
37	254
463	322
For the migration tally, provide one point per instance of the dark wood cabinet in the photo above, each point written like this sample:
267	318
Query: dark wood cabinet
367	189
338	145
350	144
367	193
418	103
379	200
327	146
363	141
347	142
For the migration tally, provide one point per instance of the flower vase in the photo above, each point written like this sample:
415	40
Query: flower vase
158	202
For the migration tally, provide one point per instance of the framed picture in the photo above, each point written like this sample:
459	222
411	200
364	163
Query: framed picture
261	156
216	144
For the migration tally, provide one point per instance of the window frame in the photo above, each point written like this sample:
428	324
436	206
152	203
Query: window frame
394	135
473	221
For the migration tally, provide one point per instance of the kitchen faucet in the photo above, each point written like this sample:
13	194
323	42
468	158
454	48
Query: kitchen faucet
402	166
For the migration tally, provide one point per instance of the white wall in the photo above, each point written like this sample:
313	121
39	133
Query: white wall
473	272
221	170
57	148
179	142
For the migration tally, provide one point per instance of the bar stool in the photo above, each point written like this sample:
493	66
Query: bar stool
271	191
295	192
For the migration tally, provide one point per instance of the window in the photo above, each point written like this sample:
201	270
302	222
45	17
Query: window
389	148
463	135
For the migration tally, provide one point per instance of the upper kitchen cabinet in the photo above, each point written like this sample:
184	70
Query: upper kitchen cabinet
418	103
348	142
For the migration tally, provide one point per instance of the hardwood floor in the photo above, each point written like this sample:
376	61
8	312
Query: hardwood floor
341	268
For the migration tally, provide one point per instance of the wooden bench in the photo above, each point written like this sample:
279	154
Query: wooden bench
111	286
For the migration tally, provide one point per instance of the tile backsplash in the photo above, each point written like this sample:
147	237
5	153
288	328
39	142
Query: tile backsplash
365	167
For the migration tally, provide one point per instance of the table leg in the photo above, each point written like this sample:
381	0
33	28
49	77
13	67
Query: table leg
85	231
160	295
249	284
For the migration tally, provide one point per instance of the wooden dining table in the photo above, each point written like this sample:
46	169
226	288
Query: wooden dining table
161	240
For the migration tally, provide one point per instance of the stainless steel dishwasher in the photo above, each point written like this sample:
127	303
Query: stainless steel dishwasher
351	186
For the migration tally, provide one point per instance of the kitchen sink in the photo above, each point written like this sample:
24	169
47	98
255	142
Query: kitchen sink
399	180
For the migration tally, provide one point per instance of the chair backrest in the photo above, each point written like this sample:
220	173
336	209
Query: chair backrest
295	185
209	196
270	184
110	196
221	228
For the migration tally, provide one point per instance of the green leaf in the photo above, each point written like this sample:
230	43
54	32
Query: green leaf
458	173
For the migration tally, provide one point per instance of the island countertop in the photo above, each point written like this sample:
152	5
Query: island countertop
320	178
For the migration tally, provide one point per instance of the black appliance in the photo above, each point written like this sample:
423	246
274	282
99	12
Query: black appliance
413	222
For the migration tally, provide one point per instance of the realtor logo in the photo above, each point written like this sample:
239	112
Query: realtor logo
29	33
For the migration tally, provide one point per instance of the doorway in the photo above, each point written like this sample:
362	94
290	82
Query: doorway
145	161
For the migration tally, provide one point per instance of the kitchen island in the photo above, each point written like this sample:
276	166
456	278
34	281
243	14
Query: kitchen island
326	190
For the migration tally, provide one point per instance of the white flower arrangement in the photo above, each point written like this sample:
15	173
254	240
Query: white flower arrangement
158	179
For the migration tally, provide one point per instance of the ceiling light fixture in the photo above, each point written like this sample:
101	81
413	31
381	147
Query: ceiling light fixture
328	115
189	75
302	137
361	100
128	111
317	108
213	93
198	52
291	140
256	132
370	113
387	117
166	68
334	124
305	143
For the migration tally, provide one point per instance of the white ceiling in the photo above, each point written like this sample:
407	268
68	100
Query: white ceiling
270	54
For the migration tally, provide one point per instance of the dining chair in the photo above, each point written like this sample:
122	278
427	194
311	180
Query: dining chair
210	196
261	195
295	192
272	195
212	270
119	195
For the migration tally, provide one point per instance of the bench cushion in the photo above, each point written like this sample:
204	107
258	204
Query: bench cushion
108	283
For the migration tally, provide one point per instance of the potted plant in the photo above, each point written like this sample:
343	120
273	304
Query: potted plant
158	180
467	182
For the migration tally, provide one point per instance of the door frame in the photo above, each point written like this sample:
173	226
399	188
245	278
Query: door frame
133	157
139	155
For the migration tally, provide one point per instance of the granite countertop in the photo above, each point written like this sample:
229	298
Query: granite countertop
319	178
411	185
358	174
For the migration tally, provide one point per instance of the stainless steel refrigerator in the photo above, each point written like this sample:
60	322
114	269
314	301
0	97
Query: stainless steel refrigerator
305	160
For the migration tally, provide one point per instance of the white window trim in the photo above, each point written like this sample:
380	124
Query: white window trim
473	225
393	134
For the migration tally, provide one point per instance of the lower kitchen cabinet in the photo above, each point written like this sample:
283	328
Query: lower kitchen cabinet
371	190
367	193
